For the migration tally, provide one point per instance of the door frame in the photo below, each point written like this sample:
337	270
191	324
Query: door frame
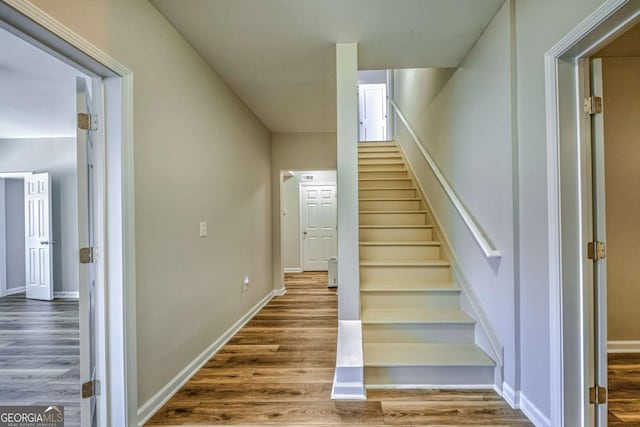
3	225
387	104
114	189
570	217
301	204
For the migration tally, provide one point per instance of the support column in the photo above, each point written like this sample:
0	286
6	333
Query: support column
348	381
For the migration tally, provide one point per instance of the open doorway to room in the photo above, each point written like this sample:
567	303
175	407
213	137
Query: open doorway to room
373	105
309	222
615	90
47	299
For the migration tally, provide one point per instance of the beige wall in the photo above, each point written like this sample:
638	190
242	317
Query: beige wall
621	99
295	151
200	155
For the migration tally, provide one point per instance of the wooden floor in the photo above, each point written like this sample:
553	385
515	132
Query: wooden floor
624	389
278	370
40	354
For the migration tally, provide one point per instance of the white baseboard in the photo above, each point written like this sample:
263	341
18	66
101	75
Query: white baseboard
279	292
150	407
623	347
511	396
67	294
293	270
14	291
533	413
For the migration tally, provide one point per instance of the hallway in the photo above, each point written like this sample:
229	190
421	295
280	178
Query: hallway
278	370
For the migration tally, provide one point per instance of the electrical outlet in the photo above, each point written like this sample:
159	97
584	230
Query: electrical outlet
245	283
203	229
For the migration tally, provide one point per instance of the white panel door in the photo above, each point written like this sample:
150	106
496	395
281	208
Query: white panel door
372	112
86	147
599	362
38	238
318	222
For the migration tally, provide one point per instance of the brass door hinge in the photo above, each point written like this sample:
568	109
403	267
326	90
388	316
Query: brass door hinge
596	250
593	105
597	395
87	121
87	255
90	388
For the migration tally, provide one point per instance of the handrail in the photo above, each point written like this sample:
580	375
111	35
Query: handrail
481	238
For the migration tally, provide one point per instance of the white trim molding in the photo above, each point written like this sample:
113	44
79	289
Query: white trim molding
18	290
293	270
532	412
479	235
511	396
66	294
279	292
156	402
348	380
623	346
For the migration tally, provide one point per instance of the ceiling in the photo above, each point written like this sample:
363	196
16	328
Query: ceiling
38	92
279	55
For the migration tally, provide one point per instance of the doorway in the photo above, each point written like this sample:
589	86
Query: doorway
615	122
578	170
373	105
110	398
309	220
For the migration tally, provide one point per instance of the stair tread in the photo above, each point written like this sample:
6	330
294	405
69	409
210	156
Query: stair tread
408	287
392	199
384	179
431	263
424	354
387	188
394	212
407	315
401	243
398	226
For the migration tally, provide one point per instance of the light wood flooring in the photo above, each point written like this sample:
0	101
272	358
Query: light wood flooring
40	354
624	389
279	368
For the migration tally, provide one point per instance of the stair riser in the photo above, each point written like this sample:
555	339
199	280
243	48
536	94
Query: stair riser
393	219
376	144
384	167
409	300
379	155
380	161
383	183
399	275
399	253
447	333
428	375
395	234
387	194
383	174
390	205
378	149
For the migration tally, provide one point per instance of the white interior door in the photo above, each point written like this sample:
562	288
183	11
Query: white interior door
599	316
38	238
86	146
318	223
372	112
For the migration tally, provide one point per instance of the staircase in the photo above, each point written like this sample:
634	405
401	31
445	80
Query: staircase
414	331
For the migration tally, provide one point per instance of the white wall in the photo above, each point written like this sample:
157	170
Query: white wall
57	156
294	151
14	221
372	77
291	221
200	155
470	138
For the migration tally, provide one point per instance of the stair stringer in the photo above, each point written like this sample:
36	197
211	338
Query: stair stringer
485	334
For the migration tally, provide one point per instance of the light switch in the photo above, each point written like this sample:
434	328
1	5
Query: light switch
203	229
